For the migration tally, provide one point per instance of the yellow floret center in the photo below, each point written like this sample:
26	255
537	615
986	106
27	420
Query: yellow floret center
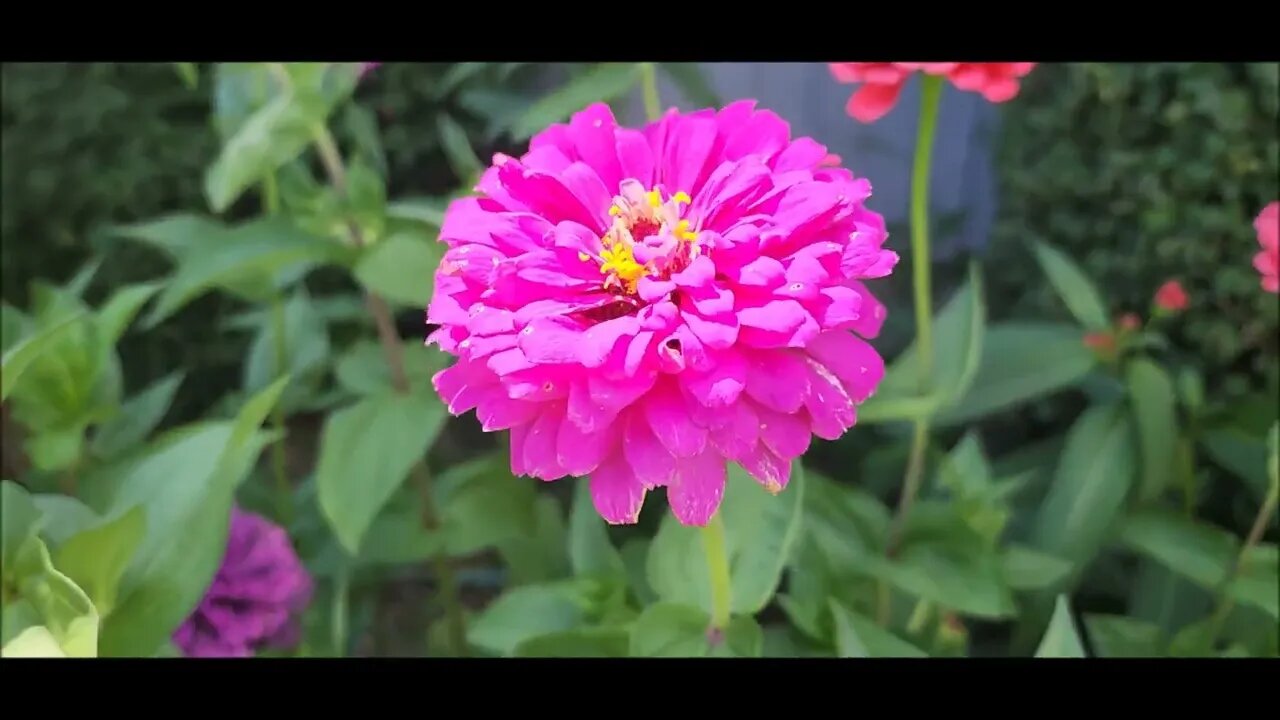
638	214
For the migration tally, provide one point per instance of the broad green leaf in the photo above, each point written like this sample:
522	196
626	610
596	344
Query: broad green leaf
590	550
743	638
670	630
1061	640
1089	488
189	74
402	268
957	351
175	235
602	83
457	148
34	642
693	84
540	556
14	325
362	125
61	605
482	505
1029	569
95	559
137	417
261	254
52	450
528	612
114	316
366	452
397	537
602	642
186	484
429	211
844	523
761	531
305	345
272	136
1204	554
363	369
21	519
859	636
62	517
17	359
635	557
366	203
1151	395
1021	362
1242	453
1073	286
238	90
1116	636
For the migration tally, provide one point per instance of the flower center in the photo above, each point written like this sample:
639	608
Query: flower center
648	238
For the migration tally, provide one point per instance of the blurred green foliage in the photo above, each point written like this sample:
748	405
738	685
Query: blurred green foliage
1144	172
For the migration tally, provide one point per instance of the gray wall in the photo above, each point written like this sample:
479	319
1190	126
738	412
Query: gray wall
963	183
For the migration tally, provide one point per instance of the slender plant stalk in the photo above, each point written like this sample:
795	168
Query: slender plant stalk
284	499
393	352
930	95
649	84
338	610
1225	601
718	565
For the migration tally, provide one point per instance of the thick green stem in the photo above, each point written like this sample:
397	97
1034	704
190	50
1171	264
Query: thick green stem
718	567
930	95
1225	601
338	610
649	84
284	500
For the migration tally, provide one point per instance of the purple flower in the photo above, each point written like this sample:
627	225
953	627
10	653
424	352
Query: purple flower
256	595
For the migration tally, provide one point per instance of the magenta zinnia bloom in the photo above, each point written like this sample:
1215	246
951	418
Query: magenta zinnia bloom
256	595
642	306
1267	261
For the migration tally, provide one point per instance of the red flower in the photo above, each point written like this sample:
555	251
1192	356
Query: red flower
1267	261
1129	322
882	82
1171	297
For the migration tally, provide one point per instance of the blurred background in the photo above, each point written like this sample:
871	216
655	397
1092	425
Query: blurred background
1139	172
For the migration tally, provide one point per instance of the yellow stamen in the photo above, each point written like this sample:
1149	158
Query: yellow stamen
614	210
681	197
683	232
583	257
655	200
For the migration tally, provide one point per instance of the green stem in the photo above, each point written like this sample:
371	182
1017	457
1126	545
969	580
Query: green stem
649	83
284	501
930	96
1225	600
393	352
718	567
338	616
271	194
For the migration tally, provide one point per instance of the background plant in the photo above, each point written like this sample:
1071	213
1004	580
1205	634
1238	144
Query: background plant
252	334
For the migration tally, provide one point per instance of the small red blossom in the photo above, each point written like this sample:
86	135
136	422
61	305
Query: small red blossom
881	83
1171	297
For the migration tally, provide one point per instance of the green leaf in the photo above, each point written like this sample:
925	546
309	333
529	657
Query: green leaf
175	235
859	636
1154	413
95	559
760	532
429	211
1204	554
958	341
540	556
14	325
1241	453
366	452
483	505
1073	286
34	642
1116	636
602	642
1021	362
1061	640
17	359
137	417
1029	569
363	369
63	607
602	83
187	71
269	138
114	316
305	344
185	483
21	520
457	148
692	83
362	125
254	258
590	551
402	268
528	612
62	517
1089	487
670	630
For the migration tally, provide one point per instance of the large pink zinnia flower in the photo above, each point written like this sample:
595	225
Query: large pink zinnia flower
882	82
641	306
1267	261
